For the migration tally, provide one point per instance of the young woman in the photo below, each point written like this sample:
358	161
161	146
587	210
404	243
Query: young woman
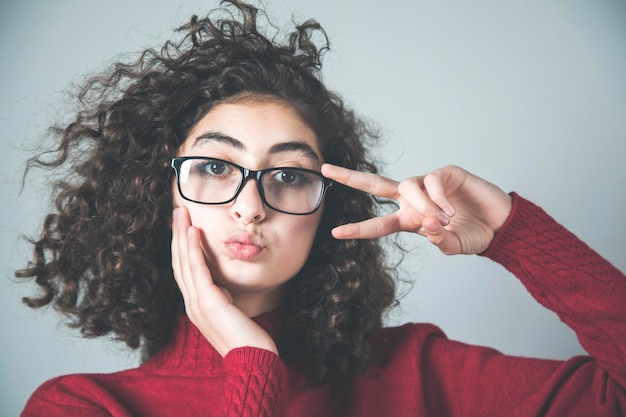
221	212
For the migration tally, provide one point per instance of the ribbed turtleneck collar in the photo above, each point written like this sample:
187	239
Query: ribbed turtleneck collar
190	353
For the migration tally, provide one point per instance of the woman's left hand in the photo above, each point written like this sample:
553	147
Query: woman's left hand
457	211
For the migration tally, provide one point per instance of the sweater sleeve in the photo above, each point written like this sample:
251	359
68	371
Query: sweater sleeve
584	290
256	383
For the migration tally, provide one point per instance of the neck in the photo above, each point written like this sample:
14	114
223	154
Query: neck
254	303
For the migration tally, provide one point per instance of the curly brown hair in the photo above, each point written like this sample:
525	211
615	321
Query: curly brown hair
103	257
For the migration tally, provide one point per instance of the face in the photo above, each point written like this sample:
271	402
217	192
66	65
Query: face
249	248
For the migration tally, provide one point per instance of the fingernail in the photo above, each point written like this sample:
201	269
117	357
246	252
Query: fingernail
443	219
448	211
175	213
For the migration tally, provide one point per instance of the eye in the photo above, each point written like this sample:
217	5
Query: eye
292	178
213	168
288	177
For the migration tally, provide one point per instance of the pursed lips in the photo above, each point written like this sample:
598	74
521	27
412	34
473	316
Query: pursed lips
244	245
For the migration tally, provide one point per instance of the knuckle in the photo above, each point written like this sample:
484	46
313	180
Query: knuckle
408	183
436	240
432	181
379	228
374	185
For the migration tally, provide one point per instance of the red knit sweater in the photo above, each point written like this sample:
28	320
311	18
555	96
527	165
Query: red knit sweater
423	374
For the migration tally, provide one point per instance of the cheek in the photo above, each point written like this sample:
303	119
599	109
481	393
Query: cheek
177	200
210	222
205	218
301	232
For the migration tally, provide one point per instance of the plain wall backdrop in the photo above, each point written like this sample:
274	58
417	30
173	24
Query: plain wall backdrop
530	95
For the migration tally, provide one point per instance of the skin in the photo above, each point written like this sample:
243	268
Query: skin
224	283
455	210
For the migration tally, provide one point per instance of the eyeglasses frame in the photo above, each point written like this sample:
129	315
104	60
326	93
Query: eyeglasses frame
248	174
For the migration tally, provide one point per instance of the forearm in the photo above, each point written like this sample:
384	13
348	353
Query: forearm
566	276
587	293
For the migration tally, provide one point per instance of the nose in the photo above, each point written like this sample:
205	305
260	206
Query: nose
248	207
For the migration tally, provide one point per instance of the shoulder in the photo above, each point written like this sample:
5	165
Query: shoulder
406	341
62	394
79	394
410	332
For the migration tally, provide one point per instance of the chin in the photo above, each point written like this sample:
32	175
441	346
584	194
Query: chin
243	279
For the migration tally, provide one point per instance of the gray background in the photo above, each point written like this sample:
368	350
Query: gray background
528	94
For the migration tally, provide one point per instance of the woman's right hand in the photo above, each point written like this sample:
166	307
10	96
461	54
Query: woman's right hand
210	306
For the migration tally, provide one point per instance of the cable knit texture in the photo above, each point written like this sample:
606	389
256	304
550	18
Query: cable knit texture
416	370
250	390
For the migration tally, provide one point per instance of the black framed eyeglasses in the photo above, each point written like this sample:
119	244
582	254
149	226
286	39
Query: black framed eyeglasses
288	190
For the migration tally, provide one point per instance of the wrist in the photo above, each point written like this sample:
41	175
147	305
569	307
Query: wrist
504	209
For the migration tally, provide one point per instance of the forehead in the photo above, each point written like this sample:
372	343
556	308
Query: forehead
253	127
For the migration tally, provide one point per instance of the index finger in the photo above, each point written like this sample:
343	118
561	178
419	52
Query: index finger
363	181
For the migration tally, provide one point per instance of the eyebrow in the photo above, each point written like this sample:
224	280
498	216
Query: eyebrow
217	137
290	146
